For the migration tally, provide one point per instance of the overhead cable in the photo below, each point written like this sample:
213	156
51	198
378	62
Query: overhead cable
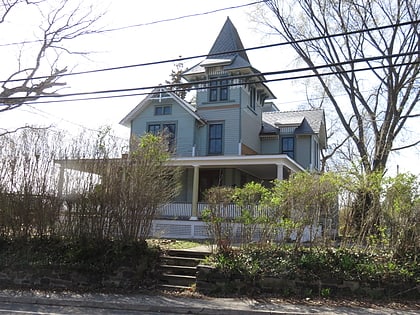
378	28
170	87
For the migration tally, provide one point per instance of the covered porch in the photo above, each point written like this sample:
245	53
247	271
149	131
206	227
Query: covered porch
201	173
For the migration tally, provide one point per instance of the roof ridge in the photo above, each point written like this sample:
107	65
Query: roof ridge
293	111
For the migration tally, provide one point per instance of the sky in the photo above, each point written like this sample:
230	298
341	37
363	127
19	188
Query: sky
190	30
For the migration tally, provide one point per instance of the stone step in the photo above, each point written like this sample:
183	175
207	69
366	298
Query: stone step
187	253
177	280
179	260
171	287
179	270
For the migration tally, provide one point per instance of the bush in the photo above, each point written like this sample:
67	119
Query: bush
317	264
83	255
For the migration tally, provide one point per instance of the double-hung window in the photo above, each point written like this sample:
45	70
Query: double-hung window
154	128
166	130
215	139
223	90
218	90
288	146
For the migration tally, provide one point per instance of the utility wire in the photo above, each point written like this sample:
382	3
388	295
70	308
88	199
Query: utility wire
182	17
260	80
235	77
149	23
378	28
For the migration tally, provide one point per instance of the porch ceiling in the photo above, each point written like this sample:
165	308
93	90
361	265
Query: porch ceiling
266	172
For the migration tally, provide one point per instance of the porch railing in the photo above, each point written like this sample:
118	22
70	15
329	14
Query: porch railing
184	210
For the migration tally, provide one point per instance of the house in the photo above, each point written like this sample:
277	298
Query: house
234	133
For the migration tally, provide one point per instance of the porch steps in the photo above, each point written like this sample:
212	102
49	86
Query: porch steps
179	268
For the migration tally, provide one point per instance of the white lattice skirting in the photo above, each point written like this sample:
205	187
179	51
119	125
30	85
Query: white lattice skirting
193	229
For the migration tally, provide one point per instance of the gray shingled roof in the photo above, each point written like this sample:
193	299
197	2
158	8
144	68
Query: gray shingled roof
224	47
227	51
228	40
314	119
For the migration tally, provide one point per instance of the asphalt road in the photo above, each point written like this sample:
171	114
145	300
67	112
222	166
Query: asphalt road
60	303
38	309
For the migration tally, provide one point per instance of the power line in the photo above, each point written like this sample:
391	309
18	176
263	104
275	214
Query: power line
169	86
150	23
245	76
182	17
378	28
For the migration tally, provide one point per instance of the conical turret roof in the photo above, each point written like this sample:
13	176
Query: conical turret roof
228	45
227	53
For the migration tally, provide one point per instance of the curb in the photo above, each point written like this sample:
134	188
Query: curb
140	307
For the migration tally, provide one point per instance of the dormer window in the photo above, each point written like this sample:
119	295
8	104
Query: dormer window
219	90
163	110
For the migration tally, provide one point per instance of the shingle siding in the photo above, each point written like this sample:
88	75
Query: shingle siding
185	124
303	150
229	118
270	146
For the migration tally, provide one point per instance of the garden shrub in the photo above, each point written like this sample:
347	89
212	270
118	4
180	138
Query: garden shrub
309	264
82	255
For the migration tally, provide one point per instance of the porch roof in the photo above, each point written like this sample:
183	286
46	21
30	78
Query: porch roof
262	166
254	164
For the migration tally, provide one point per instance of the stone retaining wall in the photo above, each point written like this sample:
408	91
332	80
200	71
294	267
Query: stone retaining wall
57	277
212	281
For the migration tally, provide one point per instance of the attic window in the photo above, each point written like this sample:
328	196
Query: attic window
163	110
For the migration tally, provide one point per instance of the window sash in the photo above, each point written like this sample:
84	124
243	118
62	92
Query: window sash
163	110
218	90
154	128
288	146
215	139
223	90
167	130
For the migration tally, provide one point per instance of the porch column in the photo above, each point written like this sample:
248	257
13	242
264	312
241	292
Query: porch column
280	171
194	209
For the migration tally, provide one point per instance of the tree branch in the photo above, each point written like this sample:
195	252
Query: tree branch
6	132
406	146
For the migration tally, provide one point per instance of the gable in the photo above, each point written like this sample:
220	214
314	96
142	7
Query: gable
156	97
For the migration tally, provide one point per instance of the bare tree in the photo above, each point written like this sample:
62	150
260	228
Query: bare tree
371	49
38	73
175	84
